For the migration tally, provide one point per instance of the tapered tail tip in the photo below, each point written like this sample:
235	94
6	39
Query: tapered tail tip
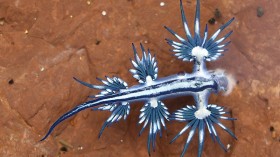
43	138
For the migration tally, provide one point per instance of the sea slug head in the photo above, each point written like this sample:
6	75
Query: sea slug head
225	82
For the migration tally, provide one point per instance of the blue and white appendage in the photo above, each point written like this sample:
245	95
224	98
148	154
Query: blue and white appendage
154	112
197	47
198	119
119	109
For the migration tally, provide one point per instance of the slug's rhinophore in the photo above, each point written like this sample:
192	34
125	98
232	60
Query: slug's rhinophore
116	96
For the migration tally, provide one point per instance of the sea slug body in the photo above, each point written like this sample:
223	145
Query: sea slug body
116	96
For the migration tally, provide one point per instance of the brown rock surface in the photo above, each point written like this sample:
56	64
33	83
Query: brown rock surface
43	44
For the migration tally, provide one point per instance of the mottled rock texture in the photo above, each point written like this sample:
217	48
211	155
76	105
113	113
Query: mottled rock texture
43	44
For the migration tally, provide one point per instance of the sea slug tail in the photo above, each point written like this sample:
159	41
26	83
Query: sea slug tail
70	113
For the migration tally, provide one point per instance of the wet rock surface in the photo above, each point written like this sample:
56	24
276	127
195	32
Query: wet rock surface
45	43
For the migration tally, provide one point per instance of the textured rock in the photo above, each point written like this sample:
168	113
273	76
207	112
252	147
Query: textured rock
43	44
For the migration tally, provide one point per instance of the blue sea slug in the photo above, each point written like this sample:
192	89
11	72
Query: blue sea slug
116	96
